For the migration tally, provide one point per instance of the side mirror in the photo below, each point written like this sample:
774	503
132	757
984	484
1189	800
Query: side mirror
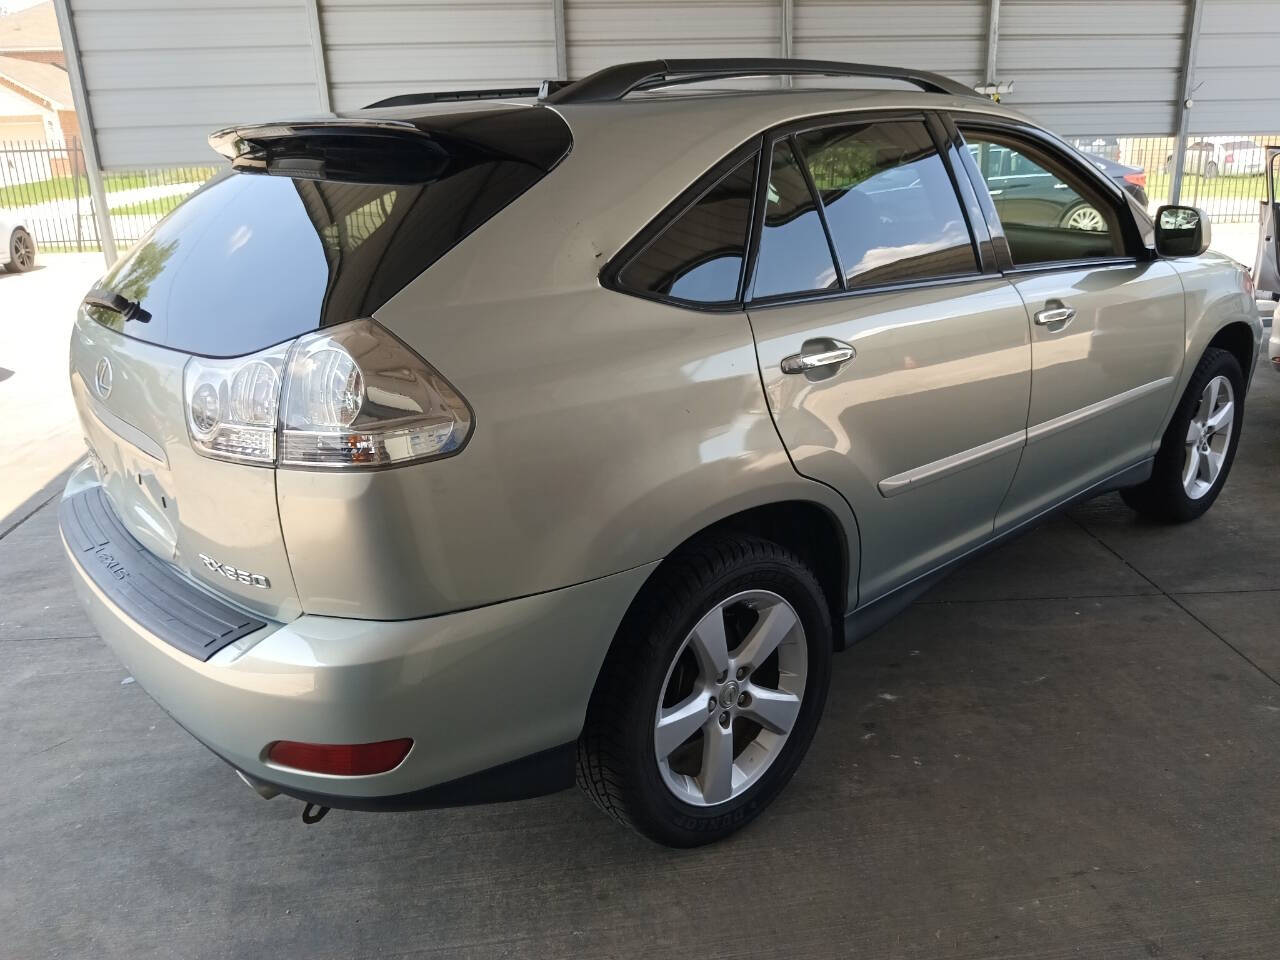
1182	231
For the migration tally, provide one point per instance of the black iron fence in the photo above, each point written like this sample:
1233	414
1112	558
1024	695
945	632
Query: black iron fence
44	186
1223	175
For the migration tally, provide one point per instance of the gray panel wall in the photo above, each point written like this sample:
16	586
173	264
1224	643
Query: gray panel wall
379	49
601	32
947	36
162	73
1094	66
1238	68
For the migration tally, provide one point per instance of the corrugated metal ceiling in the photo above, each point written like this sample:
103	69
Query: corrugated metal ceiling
161	74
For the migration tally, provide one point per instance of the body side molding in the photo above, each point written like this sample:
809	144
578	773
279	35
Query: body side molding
1047	427
919	476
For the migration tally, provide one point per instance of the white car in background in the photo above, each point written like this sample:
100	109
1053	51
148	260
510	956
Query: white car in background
18	255
1214	156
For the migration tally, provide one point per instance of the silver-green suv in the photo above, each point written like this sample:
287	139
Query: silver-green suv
442	449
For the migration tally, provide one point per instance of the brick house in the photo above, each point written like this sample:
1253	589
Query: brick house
35	92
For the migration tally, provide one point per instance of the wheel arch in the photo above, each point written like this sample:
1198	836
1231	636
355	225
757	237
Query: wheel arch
1238	340
809	528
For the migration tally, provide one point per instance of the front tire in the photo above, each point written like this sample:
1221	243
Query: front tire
1198	446
711	693
22	252
1211	171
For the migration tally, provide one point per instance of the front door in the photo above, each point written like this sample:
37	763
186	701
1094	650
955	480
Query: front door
1266	268
896	371
1107	328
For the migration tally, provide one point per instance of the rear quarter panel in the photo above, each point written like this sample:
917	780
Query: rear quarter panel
608	429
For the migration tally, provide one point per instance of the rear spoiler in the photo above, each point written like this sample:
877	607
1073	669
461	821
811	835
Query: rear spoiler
345	149
356	148
244	142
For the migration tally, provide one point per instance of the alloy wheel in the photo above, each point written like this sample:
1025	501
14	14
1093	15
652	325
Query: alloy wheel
1208	437
24	250
1086	218
731	698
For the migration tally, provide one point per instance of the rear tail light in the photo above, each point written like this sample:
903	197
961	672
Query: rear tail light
339	759
1138	179
350	396
232	405
1230	158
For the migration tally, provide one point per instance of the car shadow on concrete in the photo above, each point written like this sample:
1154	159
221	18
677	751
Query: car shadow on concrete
23	511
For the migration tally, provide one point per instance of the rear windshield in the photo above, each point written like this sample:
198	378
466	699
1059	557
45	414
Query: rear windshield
254	259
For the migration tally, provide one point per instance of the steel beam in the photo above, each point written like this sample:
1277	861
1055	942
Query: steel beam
323	93
88	135
786	33
993	39
1194	15
562	46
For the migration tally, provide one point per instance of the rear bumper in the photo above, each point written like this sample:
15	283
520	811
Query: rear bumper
492	697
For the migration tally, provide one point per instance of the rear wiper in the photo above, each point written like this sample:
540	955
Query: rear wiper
117	303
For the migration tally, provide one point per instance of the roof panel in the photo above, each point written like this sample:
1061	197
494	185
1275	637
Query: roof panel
35	28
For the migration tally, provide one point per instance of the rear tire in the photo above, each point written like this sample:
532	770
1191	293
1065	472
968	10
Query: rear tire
1211	170
1198	446
22	252
658	682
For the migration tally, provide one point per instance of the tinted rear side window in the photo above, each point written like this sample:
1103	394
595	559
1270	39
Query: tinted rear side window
890	203
794	256
254	259
698	257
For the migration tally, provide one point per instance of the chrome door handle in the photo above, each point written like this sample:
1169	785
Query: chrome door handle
817	354
1059	314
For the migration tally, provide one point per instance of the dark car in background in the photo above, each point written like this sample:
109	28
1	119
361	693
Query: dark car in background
1034	193
1131	179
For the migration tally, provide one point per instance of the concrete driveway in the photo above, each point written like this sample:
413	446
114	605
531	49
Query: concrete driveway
41	436
1069	749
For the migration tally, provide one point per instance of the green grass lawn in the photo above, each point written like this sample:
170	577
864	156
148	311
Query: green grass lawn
63	188
1195	186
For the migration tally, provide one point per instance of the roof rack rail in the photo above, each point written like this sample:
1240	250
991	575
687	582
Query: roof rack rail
614	83
447	96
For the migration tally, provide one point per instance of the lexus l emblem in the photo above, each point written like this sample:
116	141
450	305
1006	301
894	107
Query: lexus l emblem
102	378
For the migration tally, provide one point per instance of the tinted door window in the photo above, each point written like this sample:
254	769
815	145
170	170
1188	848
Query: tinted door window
1049	213
699	256
890	203
794	254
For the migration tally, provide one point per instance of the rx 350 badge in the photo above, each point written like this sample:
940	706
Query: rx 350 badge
232	573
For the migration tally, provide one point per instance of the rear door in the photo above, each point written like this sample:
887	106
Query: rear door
1266	267
897	370
1107	324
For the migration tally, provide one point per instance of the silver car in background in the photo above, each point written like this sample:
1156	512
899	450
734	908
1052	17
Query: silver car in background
446	450
17	246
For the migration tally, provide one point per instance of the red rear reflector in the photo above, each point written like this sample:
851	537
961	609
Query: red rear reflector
1230	158
1138	178
341	759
